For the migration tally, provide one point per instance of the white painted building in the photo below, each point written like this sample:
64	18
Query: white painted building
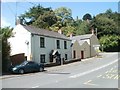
40	45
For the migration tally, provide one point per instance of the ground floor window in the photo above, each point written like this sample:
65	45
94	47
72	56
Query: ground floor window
42	58
66	57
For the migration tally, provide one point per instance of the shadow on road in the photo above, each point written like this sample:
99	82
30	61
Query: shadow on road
56	72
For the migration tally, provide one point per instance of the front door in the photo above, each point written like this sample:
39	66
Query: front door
82	54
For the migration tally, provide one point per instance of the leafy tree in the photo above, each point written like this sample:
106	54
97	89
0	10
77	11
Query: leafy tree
64	17
83	28
110	42
68	30
87	17
46	20
40	17
5	33
106	25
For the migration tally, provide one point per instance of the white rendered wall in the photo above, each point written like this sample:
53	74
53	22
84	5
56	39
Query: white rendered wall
18	42
50	44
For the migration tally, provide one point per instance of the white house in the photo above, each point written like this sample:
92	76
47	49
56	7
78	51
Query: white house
84	46
40	45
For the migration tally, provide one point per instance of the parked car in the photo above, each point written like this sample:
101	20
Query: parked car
27	66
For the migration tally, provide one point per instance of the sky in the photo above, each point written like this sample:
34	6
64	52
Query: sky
10	9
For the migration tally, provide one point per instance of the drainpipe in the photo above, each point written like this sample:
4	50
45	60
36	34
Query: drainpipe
90	47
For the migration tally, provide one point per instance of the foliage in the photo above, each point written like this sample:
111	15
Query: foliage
106	23
110	42
64	18
40	17
5	33
87	17
83	28
46	20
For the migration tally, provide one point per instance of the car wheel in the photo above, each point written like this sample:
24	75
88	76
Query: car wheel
41	69
21	71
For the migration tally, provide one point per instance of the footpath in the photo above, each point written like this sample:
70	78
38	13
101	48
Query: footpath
56	68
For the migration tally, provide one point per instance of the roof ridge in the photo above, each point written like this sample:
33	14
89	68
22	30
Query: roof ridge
45	32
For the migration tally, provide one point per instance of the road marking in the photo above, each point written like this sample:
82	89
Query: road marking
116	77
89	83
107	72
90	71
35	87
110	76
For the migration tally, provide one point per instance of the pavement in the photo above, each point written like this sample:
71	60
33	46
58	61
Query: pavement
95	72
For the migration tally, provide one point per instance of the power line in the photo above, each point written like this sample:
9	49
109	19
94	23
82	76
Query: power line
31	3
10	9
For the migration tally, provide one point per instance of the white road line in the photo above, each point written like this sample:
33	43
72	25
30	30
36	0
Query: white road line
99	76
87	72
89	83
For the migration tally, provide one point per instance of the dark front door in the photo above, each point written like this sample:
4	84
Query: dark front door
74	54
82	54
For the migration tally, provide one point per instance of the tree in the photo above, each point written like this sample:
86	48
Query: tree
110	43
6	33
64	17
46	20
106	23
83	28
87	17
40	17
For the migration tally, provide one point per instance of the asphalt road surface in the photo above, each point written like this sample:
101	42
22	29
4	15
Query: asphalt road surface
96	72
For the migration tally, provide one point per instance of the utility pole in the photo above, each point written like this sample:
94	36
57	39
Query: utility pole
96	31
16	14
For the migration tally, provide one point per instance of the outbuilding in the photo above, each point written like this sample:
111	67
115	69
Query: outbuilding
85	46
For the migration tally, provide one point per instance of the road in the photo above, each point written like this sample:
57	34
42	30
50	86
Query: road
95	72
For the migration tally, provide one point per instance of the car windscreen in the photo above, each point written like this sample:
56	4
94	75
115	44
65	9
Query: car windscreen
24	63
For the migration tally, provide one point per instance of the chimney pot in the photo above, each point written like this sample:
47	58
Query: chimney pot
60	31
92	31
19	21
71	35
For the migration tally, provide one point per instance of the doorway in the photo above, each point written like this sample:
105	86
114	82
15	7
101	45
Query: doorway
82	54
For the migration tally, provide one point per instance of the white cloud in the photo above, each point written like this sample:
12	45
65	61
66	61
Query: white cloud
4	22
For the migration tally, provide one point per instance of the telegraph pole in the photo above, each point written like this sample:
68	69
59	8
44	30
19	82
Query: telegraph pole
96	31
16	14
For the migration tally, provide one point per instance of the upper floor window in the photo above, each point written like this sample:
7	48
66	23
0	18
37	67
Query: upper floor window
42	42
58	44
65	44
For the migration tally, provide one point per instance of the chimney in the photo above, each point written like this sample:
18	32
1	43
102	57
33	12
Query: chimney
92	31
19	21
60	31
71	35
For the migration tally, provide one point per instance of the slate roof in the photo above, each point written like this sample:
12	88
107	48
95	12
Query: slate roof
81	42
43	32
81	37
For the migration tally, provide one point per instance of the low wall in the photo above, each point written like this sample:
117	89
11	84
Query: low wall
64	62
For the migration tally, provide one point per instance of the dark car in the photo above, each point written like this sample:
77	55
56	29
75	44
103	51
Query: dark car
27	66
